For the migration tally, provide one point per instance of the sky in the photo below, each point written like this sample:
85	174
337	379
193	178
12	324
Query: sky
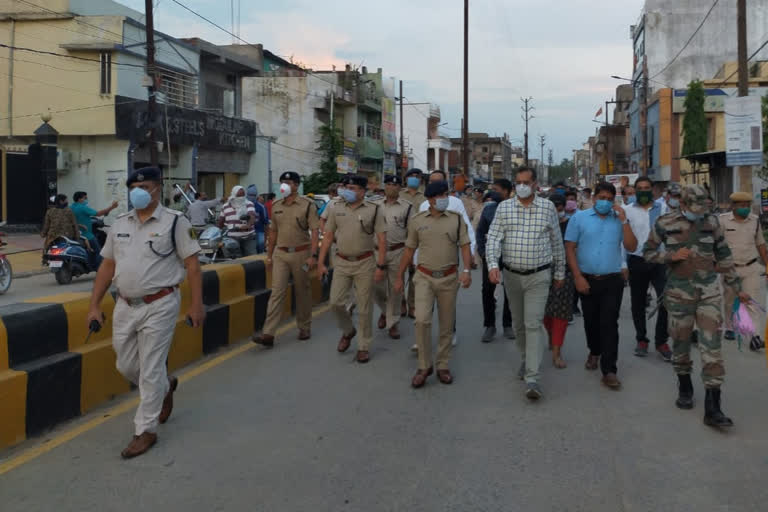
560	52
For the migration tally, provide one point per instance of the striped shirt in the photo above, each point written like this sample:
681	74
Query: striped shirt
526	238
232	219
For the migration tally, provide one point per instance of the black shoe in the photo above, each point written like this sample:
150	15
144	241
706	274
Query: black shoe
730	335
684	392
576	311
713	416
488	335
695	337
756	344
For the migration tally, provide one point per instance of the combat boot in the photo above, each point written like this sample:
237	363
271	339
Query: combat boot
684	392
713	416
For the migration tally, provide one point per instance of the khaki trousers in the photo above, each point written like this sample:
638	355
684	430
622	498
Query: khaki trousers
345	275
527	301
383	293
752	282
428	291
411	290
284	266
141	337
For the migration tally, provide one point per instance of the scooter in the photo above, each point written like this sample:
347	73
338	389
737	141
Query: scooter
215	246
69	258
6	272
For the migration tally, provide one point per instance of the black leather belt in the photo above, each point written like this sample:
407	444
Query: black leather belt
747	263
601	277
526	272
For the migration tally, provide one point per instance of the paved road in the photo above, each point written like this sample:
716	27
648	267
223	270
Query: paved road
303	428
42	285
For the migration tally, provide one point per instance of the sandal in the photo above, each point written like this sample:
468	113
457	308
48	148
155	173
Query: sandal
559	363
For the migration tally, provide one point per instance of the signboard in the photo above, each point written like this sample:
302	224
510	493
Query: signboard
714	99
187	127
764	200
743	131
388	137
389	164
346	164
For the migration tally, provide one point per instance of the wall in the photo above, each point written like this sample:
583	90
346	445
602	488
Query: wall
416	135
259	170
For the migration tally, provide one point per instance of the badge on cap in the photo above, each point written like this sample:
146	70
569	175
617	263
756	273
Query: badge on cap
140	177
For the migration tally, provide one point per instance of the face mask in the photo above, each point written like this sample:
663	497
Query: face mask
523	191
674	202
285	190
559	192
441	204
140	198
63	205
412	181
84	203
631	199
348	195
644	196
743	212
561	214
570	206
238	201
603	206
693	217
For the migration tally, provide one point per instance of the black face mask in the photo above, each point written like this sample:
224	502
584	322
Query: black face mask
62	205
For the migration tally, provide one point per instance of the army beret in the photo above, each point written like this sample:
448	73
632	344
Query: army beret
355	179
144	174
292	176
393	178
741	196
436	188
414	171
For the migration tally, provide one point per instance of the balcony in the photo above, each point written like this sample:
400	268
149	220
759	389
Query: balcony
369	99
370	149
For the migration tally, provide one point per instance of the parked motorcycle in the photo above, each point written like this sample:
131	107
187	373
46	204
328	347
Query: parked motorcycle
215	245
69	258
6	272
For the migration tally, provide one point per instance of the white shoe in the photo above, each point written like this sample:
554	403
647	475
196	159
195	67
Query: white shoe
415	348
454	340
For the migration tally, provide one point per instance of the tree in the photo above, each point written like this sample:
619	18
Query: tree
695	122
330	146
763	172
561	171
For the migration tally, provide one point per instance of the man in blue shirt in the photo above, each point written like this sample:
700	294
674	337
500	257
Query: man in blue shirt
262	219
83	214
593	246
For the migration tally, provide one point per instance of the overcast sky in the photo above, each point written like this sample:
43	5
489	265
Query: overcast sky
560	52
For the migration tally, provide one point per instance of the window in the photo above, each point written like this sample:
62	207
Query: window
711	134
105	73
485	149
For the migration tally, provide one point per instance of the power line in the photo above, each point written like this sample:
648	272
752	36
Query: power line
57	86
74	57
70	70
78	109
749	59
689	39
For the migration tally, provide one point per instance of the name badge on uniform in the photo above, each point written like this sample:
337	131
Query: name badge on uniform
124	236
423	228
341	214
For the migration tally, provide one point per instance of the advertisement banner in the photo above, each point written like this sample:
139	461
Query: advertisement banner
743	131
389	139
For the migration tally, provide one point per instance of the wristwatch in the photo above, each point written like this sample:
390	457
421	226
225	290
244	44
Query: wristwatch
466	270
381	267
315	255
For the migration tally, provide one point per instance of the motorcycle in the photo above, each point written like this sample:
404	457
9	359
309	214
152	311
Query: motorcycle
6	272
69	258
215	245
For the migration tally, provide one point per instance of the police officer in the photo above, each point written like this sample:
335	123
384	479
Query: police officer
437	234
291	253
397	213
145	255
414	195
746	240
695	249
358	227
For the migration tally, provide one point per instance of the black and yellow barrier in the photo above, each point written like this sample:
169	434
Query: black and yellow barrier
48	374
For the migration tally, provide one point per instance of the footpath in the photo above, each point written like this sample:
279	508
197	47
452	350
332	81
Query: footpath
24	253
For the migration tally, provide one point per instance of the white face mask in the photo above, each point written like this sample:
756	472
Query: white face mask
285	190
238	201
523	191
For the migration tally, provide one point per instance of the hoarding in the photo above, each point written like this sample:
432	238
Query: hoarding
388	136
743	131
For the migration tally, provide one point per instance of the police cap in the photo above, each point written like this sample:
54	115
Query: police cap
738	197
435	189
414	171
393	178
355	179
144	174
292	176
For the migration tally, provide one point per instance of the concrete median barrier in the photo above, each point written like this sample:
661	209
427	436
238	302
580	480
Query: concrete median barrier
49	375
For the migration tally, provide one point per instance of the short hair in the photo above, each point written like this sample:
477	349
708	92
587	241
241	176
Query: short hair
445	176
644	179
587	190
559	184
61	197
503	183
558	200
570	193
333	189
79	195
531	170
198	195
608	187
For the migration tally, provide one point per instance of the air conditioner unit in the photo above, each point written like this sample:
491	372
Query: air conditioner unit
64	161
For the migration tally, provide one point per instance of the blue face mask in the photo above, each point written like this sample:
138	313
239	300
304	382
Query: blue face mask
84	203
603	206
348	195
674	202
412	182
140	198
559	192
631	199
441	204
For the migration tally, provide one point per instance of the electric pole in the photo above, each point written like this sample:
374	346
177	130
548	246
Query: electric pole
745	171
403	165
152	99
465	127
527	116
542	143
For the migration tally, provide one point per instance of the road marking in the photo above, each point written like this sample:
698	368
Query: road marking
129	405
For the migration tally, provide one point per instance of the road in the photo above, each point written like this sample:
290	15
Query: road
42	285
303	428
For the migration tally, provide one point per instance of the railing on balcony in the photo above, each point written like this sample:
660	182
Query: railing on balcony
178	89
370	131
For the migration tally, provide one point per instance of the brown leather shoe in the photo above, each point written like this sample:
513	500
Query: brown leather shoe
592	362
139	444
420	378
304	334
265	340
403	309
346	341
363	356
445	376
382	321
394	332
411	314
167	409
611	381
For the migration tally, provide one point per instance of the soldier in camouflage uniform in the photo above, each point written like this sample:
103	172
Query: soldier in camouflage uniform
693	245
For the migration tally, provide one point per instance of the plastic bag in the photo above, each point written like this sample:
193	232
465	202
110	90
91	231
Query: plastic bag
742	320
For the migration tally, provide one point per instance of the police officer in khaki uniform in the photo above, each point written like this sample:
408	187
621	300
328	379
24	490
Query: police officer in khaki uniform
747	243
413	193
437	234
291	252
145	255
397	213
354	225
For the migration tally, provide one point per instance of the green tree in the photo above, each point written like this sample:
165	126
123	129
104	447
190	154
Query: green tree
695	122
561	171
329	145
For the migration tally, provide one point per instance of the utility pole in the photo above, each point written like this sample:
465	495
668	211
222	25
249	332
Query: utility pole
152	99
527	116
465	127
745	171
645	117
542	143
403	167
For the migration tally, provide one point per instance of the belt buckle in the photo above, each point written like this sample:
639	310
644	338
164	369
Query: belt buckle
438	274
291	249
134	302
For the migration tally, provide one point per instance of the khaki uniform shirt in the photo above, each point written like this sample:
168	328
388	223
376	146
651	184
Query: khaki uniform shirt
743	237
437	238
415	199
294	222
397	215
139	270
354	228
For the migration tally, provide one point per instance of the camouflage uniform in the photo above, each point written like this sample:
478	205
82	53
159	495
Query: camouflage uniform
692	292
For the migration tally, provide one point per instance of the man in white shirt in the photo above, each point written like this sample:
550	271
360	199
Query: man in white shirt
642	216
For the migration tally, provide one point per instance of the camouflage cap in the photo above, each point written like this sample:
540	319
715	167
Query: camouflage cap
694	198
674	188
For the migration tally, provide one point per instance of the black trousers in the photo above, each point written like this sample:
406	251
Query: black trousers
641	275
601	319
489	302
